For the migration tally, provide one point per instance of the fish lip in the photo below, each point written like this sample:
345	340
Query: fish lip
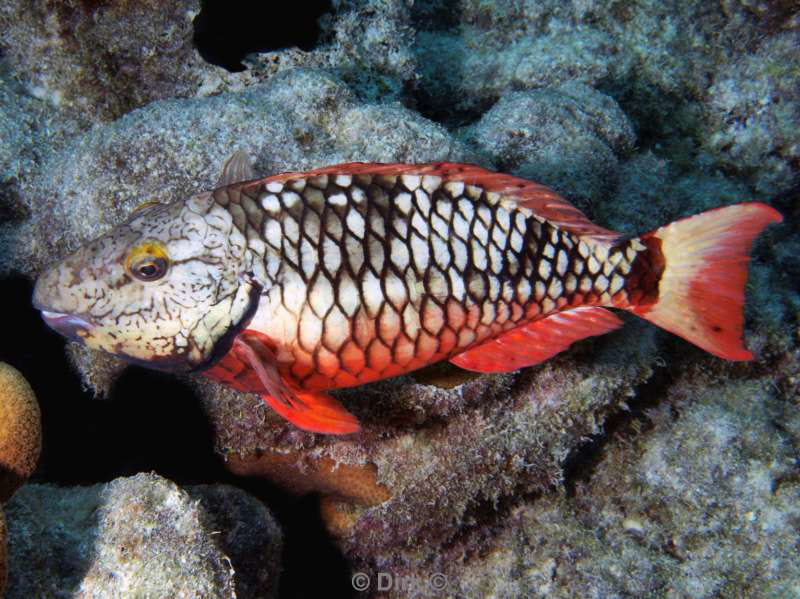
68	325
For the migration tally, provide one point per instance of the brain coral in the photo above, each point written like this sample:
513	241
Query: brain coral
20	430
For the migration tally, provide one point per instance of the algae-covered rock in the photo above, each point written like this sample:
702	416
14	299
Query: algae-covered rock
445	456
713	84
141	536
697	497
29	130
753	112
96	61
568	137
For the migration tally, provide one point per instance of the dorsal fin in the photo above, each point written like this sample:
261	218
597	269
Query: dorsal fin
237	168
541	200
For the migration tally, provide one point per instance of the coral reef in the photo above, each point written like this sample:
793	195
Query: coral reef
633	464
173	148
29	130
681	503
568	137
20	431
97	61
701	81
473	445
751	115
3	554
210	541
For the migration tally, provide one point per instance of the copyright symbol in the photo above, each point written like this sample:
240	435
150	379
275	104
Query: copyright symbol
438	581
360	581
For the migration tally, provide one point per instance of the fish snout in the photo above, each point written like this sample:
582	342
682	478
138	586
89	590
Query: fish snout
69	325
57	317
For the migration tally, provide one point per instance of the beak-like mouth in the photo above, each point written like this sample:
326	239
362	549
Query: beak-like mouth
68	325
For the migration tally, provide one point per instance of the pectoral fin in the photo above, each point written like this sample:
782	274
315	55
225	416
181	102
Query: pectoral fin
315	412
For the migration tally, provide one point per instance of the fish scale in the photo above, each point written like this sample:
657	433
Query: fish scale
435	267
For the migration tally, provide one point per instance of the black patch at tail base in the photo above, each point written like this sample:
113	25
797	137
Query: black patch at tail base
641	284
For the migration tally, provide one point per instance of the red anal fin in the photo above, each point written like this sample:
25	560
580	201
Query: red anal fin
315	412
536	342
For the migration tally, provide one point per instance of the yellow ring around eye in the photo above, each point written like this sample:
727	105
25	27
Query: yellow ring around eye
149	251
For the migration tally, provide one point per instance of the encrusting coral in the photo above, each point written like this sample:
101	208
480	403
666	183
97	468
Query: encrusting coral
301	473
20	430
347	489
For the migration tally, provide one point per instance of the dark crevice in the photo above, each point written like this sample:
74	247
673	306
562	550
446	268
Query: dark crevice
12	208
227	31
582	463
150	422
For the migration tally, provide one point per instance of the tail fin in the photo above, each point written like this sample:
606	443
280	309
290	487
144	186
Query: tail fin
701	290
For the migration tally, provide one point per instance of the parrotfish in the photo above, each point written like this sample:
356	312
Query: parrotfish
303	282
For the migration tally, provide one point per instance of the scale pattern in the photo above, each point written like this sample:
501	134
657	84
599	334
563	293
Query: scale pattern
370	276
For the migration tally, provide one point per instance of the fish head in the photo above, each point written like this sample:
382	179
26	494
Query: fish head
167	289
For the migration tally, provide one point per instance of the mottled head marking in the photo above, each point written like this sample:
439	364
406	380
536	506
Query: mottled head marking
163	288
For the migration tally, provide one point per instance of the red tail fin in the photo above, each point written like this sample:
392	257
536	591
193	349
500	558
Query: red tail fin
701	291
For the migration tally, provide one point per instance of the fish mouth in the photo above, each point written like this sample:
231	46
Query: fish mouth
69	325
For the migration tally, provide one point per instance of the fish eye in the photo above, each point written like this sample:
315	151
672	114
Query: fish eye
148	261
149	269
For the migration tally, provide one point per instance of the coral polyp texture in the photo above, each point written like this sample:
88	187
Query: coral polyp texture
629	465
20	430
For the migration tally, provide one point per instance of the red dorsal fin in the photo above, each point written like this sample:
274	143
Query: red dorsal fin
541	200
537	341
315	412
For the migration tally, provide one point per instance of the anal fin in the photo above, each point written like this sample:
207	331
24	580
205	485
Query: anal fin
537	341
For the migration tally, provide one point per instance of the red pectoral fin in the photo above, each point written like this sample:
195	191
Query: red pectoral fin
537	341
313	412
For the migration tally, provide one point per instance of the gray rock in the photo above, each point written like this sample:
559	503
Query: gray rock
699	498
141	536
567	137
715	85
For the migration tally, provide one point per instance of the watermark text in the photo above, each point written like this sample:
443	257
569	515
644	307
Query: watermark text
409	583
